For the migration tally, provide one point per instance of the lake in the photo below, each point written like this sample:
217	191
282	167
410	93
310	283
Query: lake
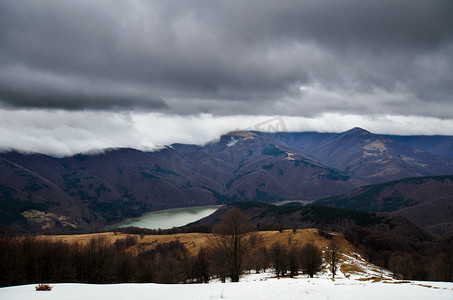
170	218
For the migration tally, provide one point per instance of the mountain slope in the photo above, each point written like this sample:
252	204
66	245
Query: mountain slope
374	158
89	191
107	187
267	216
26	196
427	201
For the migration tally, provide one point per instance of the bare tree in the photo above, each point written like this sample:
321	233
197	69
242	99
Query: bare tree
332	256
201	267
311	259
258	258
279	256
322	229
293	260
231	243
257	253
99	260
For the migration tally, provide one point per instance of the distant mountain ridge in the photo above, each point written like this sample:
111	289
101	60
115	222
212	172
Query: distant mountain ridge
426	201
40	193
371	157
435	144
438	144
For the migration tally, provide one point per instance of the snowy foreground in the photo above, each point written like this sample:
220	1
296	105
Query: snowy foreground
367	282
285	288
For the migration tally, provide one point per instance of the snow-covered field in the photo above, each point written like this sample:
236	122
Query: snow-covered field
285	288
361	281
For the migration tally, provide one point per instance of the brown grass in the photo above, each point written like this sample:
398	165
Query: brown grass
396	282
346	268
194	241
373	278
427	286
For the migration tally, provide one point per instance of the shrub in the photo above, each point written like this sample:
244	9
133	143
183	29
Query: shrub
43	287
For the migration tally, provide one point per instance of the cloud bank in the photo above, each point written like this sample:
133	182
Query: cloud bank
185	59
64	133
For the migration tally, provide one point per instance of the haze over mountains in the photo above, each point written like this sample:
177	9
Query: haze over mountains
88	191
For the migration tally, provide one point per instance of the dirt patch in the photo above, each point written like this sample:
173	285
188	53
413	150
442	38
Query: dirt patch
346	268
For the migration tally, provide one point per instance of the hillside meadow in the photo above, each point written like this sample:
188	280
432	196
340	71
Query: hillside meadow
195	241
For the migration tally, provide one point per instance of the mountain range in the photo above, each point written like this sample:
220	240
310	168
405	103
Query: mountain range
376	158
41	193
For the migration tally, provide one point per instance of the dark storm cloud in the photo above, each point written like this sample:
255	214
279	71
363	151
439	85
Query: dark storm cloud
66	93
75	100
229	57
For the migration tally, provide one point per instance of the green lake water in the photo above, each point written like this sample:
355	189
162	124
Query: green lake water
170	218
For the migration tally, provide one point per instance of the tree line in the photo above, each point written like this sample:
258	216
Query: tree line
234	248
231	251
407	259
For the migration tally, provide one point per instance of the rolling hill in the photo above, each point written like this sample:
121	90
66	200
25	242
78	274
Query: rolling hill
426	201
267	216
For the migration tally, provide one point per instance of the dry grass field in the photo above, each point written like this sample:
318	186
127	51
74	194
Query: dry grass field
194	241
350	263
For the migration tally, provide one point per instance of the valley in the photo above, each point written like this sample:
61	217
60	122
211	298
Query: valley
40	193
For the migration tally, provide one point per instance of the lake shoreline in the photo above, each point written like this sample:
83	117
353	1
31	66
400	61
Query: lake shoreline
146	215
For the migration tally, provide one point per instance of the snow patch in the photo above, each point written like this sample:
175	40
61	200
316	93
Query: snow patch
232	142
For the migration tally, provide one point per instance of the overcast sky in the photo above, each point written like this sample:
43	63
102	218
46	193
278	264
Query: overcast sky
80	75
